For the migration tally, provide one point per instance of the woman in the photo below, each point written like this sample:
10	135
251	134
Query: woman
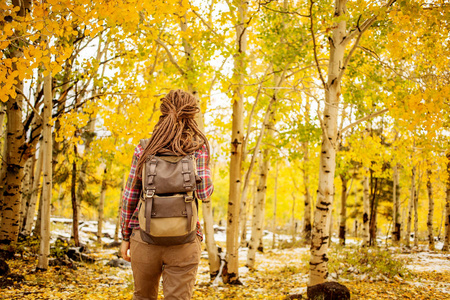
176	133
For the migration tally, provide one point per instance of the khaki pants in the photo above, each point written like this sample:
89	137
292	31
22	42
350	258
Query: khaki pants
177	265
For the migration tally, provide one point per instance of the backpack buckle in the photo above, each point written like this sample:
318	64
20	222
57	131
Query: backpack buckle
188	199
149	193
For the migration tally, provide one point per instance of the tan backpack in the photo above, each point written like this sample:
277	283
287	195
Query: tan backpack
168	208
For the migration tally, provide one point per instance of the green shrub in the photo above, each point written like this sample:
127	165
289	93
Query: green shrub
59	249
348	262
27	245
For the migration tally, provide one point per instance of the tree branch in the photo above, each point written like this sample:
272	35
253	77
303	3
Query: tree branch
171	58
29	103
315	46
373	115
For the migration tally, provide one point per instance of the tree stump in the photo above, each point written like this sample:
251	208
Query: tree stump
328	291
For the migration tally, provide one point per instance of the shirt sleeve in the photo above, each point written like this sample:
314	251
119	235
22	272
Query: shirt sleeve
130	197
205	188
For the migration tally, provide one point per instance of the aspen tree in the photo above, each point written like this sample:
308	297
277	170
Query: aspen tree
237	130
44	248
34	192
192	77
446	246
396	233
410	207
337	65
122	188
343	212
267	129
416	208
366	210
15	138
430	209
27	183
274	218
101	205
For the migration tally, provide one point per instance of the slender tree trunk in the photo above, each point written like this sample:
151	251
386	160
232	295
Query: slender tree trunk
356	213
34	193
410	208
416	213
293	231
74	197
258	209
374	210
430	210
211	247
37	226
101	205
447	209
2	119
366	211
27	184
208	222
243	223
4	150
274	219
396	234
343	214
319	236
237	129
44	249
264	124
307	212
116	231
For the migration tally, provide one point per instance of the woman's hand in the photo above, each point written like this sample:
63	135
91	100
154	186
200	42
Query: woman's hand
124	250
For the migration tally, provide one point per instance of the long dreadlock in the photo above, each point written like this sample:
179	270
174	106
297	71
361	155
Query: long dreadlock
176	132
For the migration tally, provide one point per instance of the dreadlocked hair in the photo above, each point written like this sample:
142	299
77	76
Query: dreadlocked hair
176	132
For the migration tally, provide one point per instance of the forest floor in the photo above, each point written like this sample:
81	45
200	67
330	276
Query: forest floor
421	275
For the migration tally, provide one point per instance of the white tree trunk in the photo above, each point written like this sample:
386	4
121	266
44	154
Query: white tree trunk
416	213
307	212
318	271
2	120
101	206
430	210
410	208
26	191
366	211
245	188
447	209
343	212
34	193
44	249
16	154
274	218
237	129
258	210
396	234
211	247
116	231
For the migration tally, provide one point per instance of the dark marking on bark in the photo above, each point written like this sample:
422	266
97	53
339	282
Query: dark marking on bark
365	218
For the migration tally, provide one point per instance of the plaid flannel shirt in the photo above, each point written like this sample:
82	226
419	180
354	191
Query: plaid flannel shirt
131	194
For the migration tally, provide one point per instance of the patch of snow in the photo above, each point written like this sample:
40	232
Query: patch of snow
428	262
